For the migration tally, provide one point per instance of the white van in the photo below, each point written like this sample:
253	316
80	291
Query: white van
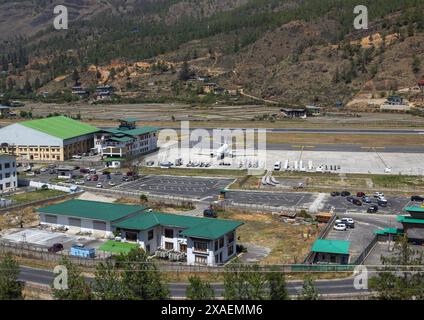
277	166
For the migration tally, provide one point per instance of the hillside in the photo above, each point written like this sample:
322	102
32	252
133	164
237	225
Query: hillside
292	52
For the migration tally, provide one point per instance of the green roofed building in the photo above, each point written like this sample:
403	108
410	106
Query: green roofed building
49	139
331	251
413	224
125	142
196	240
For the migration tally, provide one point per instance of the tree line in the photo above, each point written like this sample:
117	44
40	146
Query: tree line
134	277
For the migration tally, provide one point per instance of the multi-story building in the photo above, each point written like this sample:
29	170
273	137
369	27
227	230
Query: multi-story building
8	174
49	139
125	142
203	241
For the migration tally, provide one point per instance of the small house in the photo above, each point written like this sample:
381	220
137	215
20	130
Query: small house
293	112
331	251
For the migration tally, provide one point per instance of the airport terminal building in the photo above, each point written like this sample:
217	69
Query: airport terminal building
50	139
198	241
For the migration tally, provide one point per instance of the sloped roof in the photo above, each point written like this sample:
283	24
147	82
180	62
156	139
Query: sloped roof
60	127
204	228
331	246
95	210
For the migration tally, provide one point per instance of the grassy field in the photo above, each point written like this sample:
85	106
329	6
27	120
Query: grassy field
35	195
287	242
117	247
365	140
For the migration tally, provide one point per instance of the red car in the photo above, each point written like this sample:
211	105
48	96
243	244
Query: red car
360	194
95	178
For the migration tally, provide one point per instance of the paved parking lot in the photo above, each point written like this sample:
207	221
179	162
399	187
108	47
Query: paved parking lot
395	205
200	188
359	237
277	199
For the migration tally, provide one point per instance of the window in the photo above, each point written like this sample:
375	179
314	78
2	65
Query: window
7	184
7	175
200	246
169	233
221	243
7	165
200	260
216	245
231	237
150	235
230	250
169	246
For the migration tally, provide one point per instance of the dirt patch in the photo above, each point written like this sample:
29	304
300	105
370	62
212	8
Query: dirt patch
288	243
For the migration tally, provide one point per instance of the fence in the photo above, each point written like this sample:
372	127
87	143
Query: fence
366	251
324	232
261	207
39	202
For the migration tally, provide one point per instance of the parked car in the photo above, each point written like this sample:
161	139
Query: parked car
366	199
80	182
349	222
44	187
77	157
372	209
55	248
335	194
112	184
360	194
99	185
95	178
417	198
84	171
130	174
378	194
382	203
357	202
340	227
350	199
345	193
208	213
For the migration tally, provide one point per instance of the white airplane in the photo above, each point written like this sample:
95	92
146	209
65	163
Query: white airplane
226	151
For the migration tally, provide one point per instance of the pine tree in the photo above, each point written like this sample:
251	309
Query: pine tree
77	286
199	290
184	72
10	287
76	77
416	64
140	277
309	291
107	282
277	286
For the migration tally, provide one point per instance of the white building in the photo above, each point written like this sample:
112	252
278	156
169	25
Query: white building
200	241
8	174
125	142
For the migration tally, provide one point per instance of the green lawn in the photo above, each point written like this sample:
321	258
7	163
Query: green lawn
35	195
117	247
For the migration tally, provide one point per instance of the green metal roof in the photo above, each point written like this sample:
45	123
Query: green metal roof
204	228
331	246
141	130
129	119
91	209
60	127
408	219
414	209
389	231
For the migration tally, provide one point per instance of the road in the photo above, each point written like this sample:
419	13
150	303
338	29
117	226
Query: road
177	290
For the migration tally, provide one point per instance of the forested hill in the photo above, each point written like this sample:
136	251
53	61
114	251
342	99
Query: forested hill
274	49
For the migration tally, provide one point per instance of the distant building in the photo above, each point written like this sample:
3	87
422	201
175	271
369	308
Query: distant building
413	225
198	241
420	84
394	100
49	139
293	112
80	91
209	87
313	110
331	251
125	142
4	111
8	174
